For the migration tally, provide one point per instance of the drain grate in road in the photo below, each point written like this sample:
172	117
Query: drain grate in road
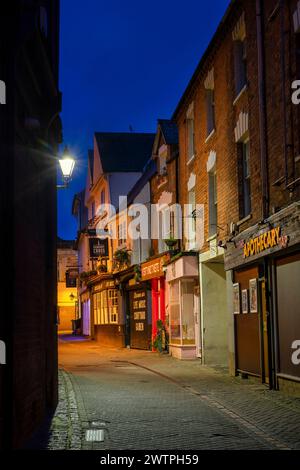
94	435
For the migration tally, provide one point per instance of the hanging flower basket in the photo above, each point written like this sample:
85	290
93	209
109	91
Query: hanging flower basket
171	242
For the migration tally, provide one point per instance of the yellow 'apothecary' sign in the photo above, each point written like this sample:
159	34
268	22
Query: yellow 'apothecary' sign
263	242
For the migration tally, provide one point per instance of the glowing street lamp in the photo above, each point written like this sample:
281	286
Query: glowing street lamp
67	164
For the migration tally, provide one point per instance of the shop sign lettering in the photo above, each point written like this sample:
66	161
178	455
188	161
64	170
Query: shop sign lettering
154	268
265	241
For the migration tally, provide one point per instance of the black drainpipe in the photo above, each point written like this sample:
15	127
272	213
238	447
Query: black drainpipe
262	110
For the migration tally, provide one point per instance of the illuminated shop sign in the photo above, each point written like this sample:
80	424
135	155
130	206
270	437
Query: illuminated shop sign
154	268
263	242
98	247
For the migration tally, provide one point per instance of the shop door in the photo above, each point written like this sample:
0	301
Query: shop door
264	316
197	320
288	314
140	331
247	322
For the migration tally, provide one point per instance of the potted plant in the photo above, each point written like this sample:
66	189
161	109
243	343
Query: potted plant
137	272
161	340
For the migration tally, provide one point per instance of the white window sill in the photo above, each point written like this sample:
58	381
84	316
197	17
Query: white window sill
211	238
210	135
190	160
244	220
240	94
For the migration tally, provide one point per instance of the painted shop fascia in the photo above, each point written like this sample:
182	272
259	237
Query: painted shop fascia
280	231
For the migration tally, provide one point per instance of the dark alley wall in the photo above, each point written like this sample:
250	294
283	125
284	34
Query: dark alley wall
30	131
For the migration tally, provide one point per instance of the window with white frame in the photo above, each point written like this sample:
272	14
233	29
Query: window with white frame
243	156
213	202
106	307
192	218
212	193
209	85
240	65
210	111
163	229
190	127
113	305
240	54
162	159
246	183
122	233
175	314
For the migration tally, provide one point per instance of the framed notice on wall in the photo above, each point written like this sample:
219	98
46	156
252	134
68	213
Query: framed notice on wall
245	303
253	295
236	299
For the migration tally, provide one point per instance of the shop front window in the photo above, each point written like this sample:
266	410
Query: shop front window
188	320
175	323
106	307
96	302
181	307
113	305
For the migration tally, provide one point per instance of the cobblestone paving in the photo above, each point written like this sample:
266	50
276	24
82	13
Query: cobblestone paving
66	428
142	400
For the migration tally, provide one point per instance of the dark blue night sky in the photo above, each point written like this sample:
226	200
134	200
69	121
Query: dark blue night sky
125	63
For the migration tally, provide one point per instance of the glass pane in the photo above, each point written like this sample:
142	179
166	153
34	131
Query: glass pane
188	320
175	327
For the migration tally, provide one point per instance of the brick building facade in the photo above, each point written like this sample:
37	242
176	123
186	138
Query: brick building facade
239	158
163	194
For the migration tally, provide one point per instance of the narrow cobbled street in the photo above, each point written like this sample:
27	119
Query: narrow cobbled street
142	400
